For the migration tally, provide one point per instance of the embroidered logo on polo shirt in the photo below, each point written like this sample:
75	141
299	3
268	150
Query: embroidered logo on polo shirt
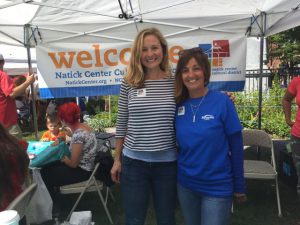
208	117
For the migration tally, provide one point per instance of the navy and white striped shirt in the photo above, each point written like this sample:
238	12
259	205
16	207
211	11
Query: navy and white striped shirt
146	116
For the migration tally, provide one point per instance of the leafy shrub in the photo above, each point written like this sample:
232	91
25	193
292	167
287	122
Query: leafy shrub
272	120
101	121
96	124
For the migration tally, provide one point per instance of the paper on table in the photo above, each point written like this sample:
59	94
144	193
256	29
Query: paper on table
81	218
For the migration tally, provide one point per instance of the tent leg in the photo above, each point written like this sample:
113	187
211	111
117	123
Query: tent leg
33	97
263	17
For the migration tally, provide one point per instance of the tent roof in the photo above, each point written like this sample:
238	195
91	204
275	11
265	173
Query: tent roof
16	62
99	20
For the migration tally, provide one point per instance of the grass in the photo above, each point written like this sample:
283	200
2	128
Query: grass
260	209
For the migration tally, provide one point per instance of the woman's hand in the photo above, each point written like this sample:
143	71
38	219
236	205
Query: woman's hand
290	123
74	160
240	197
230	95
45	139
64	159
56	142
115	171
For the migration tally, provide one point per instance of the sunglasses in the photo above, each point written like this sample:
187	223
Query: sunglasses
190	51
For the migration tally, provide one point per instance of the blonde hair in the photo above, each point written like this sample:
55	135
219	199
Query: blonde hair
136	72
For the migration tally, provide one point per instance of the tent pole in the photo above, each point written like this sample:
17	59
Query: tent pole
109	108
33	97
263	18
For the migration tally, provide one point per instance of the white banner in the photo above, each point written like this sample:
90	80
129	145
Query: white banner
93	69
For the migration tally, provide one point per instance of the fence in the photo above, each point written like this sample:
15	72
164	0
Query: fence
285	75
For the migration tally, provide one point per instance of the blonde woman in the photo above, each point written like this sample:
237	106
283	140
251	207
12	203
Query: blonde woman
145	161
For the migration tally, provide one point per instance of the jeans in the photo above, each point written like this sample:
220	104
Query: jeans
296	158
203	210
140	179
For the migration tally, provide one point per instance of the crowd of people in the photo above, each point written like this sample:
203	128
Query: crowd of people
166	134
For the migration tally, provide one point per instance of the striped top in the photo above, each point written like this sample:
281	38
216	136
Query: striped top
146	116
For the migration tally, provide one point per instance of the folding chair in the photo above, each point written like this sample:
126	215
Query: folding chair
91	185
21	202
259	169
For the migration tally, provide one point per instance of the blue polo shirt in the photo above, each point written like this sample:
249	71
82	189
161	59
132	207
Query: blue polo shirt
206	162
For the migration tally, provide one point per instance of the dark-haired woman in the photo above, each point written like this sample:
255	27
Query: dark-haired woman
13	167
208	133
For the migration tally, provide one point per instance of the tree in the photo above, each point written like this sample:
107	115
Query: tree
285	47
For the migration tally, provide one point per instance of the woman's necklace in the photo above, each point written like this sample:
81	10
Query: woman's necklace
195	108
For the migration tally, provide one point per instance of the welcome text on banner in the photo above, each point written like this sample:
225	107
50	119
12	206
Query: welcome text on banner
84	69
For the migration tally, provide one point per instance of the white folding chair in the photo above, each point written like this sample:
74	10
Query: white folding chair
91	185
21	202
259	169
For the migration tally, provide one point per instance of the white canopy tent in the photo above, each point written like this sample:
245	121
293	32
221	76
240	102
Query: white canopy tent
45	21
16	62
31	23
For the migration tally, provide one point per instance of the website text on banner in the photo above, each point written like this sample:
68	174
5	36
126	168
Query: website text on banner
84	69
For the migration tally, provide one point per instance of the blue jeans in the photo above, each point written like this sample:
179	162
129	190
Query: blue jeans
203	210
140	179
296	158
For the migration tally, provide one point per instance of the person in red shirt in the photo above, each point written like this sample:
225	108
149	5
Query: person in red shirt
13	167
8	92
293	92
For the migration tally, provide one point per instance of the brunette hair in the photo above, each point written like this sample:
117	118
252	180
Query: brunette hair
13	163
136	72
52	118
19	80
69	112
181	92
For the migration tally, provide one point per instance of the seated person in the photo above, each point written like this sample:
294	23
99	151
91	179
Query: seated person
53	133
22	103
13	167
83	147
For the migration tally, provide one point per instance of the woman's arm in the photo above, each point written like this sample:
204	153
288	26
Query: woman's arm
237	163
116	169
75	156
121	130
19	90
287	103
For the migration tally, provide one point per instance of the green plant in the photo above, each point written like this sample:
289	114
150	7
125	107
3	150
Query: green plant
102	120
272	117
97	125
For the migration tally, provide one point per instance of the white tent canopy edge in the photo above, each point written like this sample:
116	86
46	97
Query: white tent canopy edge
99	20
33	22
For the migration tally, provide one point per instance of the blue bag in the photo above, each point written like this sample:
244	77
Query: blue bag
36	147
50	154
